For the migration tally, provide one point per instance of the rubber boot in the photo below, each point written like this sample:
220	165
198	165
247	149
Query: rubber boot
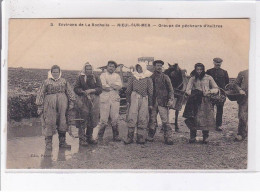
151	133
177	129
82	138
205	136
115	133
193	134
168	135
130	136
83	142
62	141
140	136
89	136
48	143
101	133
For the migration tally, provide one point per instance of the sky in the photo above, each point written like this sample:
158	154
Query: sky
41	43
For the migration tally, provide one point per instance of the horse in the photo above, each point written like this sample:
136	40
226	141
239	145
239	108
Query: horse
179	82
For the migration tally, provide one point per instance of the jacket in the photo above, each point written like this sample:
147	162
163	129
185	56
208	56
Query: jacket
88	82
220	76
163	90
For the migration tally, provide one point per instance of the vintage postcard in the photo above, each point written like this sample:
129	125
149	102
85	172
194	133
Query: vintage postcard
153	94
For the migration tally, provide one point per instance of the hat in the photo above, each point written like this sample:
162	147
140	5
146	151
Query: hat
217	60
112	62
158	61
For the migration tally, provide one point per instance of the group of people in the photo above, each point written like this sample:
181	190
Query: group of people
147	94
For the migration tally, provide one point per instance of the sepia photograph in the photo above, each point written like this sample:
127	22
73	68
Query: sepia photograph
131	94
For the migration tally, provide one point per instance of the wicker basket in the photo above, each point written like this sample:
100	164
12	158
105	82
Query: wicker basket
179	99
232	92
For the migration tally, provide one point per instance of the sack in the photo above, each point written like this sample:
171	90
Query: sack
218	98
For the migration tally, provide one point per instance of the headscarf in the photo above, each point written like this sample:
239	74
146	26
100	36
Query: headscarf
194	72
145	72
50	73
83	71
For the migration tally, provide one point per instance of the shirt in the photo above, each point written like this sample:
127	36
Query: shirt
205	84
144	87
112	83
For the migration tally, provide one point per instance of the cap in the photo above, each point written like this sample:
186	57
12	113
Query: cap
158	61
217	60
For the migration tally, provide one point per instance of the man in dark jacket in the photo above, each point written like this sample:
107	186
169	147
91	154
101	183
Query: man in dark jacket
162	99
220	76
88	87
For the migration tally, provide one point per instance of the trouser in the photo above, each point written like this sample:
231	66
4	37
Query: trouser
54	114
138	114
164	115
109	108
243	118
219	114
140	132
90	113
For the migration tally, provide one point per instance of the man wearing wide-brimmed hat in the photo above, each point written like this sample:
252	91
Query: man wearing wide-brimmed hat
220	76
162	99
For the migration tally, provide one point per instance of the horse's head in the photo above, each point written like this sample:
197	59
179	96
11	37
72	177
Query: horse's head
174	72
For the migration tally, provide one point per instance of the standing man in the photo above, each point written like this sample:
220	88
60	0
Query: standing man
110	100
88	87
220	76
162	99
242	86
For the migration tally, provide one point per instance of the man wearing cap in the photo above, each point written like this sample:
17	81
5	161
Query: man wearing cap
88	88
242	86
162	99
220	76
110	100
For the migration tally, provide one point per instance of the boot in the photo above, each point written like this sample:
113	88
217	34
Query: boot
140	136
193	134
151	133
168	135
219	128
130	136
62	140
83	142
101	133
82	138
89	135
115	133
140	139
48	143
205	136
177	129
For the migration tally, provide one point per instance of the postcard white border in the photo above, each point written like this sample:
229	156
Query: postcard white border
123	179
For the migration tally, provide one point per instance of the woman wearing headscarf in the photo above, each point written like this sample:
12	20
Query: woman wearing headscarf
88	87
199	112
53	99
139	95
